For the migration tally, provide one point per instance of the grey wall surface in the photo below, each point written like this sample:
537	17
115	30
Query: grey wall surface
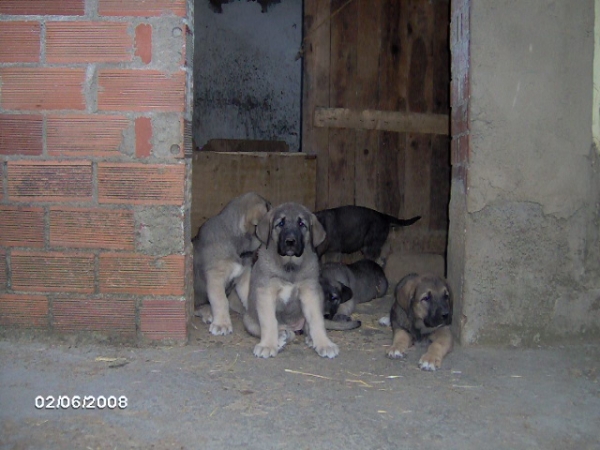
247	82
531	247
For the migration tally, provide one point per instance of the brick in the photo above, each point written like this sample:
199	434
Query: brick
43	7
460	118
85	135
459	149
163	319
19	42
143	137
143	42
21	134
36	89
88	42
3	269
22	227
141	90
141	275
47	181
25	311
142	8
92	228
52	272
142	184
101	315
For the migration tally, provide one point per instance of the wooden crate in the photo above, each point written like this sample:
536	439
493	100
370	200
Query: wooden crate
217	177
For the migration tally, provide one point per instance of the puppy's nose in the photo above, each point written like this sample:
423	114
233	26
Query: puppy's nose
445	317
290	242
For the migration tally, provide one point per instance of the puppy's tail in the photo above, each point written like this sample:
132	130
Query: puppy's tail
341	325
395	222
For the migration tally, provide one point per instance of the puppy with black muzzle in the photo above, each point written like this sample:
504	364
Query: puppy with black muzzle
285	295
345	286
352	228
422	310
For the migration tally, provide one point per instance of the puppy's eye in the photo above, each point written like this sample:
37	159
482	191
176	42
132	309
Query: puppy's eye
301	223
426	298
281	223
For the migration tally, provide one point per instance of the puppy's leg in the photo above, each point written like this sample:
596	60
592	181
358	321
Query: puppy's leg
269	334
219	305
400	343
441	345
242	286
251	325
311	301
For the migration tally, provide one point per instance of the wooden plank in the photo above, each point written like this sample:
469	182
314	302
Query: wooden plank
343	90
392	97
315	90
441	171
401	122
217	177
367	72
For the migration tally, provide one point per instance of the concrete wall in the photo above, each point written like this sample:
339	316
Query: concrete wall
247	80
531	246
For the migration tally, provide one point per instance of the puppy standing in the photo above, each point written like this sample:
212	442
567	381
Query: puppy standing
285	294
223	251
352	228
422	309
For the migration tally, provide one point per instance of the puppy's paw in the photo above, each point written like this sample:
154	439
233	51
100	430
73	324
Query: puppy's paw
327	350
285	336
341	318
204	313
264	351
396	353
384	321
220	329
430	361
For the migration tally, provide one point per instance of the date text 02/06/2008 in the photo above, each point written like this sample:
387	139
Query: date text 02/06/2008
81	402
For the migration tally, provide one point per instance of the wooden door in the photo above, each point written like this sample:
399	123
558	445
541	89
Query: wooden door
376	106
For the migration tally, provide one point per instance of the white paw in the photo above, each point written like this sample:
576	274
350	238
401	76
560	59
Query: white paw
395	354
264	351
430	362
384	321
204	313
220	329
329	350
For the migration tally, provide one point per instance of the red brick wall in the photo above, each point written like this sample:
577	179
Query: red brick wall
91	150
460	88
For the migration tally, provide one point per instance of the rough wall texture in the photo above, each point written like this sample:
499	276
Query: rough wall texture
246	74
93	185
531	252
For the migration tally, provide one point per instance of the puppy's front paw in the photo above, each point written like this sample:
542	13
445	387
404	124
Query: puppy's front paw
384	321
430	361
220	329
264	351
396	353
327	350
204	313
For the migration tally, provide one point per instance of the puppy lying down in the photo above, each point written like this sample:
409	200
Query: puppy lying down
345	286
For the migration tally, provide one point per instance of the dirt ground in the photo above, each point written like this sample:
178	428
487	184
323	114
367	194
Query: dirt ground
214	394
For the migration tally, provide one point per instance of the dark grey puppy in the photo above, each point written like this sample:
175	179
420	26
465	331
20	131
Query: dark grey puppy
345	286
352	228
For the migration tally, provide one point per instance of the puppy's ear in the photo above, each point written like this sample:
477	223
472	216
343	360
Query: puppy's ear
405	291
264	227
254	214
346	293
317	232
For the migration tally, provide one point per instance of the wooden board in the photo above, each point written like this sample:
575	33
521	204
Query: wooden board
218	177
401	122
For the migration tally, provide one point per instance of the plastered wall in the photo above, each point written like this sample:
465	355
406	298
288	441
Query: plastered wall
526	218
